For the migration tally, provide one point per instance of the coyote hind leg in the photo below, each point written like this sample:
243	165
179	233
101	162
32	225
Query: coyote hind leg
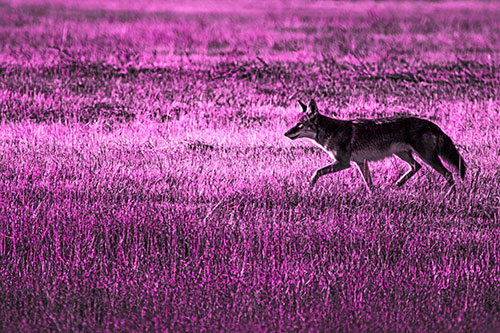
414	166
434	161
365	172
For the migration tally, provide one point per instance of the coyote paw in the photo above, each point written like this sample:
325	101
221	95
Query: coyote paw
314	179
451	190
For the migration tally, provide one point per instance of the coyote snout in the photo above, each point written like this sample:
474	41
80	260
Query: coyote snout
364	140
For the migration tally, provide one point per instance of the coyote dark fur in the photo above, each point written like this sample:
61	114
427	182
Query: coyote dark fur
364	140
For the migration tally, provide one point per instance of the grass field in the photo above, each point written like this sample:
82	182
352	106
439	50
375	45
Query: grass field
146	184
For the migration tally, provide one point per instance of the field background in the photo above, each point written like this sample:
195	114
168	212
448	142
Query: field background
145	182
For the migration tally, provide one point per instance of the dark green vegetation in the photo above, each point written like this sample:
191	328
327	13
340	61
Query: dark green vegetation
145	182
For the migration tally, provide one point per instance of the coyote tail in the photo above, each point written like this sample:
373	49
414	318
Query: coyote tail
449	153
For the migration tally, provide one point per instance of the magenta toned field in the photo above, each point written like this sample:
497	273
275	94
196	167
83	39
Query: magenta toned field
146	183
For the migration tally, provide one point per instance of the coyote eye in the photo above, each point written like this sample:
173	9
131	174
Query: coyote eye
300	125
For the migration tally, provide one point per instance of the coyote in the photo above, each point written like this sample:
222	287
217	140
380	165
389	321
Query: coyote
364	140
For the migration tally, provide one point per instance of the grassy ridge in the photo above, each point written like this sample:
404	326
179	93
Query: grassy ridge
63	62
146	183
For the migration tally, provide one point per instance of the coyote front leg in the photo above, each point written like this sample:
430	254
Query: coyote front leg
337	166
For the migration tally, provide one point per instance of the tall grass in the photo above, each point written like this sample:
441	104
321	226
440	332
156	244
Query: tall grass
145	182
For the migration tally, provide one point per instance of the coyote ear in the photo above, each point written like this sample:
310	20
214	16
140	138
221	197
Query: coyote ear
303	106
313	108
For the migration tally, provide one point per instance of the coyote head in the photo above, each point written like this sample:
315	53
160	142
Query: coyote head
307	126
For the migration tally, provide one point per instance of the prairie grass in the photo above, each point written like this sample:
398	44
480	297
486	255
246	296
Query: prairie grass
145	182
